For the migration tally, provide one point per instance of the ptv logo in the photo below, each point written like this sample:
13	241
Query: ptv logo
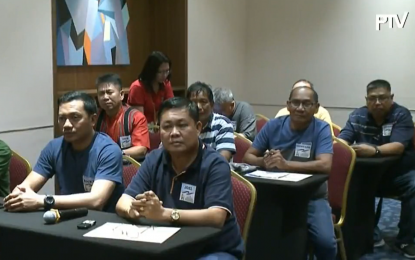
391	19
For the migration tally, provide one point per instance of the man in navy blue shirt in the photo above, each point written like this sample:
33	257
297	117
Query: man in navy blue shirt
301	143
384	128
87	164
185	182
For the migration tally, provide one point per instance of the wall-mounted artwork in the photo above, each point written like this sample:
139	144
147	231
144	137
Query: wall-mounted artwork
92	32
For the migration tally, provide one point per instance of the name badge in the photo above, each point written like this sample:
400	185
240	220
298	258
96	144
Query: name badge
233	125
303	150
88	182
188	193
387	130
125	141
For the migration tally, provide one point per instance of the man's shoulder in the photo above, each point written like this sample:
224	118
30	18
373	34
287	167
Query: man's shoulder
134	113
104	142
56	143
155	155
220	121
210	156
359	114
400	111
244	105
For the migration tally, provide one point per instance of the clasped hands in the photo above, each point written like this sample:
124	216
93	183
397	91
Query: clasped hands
23	199
147	205
274	159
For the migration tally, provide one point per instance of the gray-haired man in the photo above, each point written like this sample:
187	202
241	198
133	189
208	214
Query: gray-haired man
240	113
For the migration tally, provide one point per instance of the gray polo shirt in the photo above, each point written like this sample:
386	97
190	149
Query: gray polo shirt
243	120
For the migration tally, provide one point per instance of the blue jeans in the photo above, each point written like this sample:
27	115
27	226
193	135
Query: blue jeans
402	185
218	256
321	230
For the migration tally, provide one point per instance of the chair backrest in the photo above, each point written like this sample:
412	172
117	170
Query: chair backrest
154	140
344	158
130	168
19	169
244	200
261	120
242	145
336	129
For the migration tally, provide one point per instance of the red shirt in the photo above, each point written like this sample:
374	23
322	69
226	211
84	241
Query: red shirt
114	127
151	102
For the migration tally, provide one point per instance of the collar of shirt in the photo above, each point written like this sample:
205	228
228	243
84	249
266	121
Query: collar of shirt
166	159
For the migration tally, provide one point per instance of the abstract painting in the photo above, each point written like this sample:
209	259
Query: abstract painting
92	32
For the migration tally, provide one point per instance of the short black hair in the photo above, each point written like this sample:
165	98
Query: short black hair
315	94
90	106
109	78
379	83
179	102
200	87
306	81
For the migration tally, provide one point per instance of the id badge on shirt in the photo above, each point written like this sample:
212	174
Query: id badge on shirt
387	130
125	141
88	182
188	193
303	150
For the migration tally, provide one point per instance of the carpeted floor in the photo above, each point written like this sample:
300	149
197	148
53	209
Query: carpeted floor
389	226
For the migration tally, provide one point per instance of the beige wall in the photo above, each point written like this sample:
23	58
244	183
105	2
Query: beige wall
332	43
26	77
216	43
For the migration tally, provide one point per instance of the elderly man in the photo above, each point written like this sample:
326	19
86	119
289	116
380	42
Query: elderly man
240	113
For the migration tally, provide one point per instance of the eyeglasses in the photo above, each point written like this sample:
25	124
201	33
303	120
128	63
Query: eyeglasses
130	231
298	103
374	99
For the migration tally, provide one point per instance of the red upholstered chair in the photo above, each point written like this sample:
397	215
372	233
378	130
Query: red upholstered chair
344	158
19	169
261	120
130	169
154	141
244	200
242	145
336	129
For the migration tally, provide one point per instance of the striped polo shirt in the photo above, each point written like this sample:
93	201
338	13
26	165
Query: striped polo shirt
218	134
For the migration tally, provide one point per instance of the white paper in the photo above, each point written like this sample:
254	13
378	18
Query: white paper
130	232
281	176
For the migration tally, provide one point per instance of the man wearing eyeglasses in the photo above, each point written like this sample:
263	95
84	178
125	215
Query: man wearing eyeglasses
384	128
301	143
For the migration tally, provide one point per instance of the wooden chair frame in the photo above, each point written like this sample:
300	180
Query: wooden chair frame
336	126
235	134
252	204
131	160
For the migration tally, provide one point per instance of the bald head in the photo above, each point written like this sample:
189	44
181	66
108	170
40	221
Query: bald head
303	83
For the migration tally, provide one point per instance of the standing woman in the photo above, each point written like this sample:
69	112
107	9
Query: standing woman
152	86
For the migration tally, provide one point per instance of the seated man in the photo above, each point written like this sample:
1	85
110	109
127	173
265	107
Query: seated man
87	164
185	164
5	157
321	113
384	128
303	144
239	112
125	125
217	130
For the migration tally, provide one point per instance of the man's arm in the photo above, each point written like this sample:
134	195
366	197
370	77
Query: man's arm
108	175
323	152
254	155
5	157
218	201
401	136
225	143
140	139
140	183
348	134
248	122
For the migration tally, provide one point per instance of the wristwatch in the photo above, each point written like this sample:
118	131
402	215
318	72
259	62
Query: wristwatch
377	152
48	202
175	215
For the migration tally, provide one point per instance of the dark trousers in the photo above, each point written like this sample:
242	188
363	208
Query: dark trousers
402	186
